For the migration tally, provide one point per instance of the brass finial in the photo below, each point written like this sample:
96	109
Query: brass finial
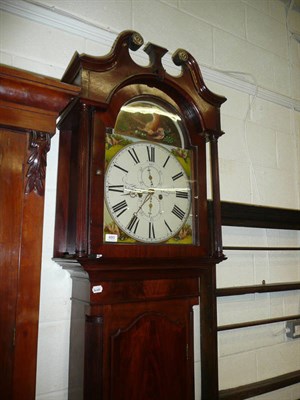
180	57
136	41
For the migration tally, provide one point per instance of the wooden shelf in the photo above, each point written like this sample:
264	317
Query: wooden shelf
266	288
250	248
246	215
261	387
265	321
235	214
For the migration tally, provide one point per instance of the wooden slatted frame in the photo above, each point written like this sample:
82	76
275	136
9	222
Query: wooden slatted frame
244	215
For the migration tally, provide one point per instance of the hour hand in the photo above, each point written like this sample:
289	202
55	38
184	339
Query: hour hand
133	191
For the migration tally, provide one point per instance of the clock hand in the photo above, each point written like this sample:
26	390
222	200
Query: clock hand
145	200
132	191
148	197
150	176
150	207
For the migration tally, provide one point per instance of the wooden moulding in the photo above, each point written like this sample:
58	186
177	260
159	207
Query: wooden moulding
34	90
32	101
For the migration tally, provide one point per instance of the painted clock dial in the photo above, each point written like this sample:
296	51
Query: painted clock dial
147	192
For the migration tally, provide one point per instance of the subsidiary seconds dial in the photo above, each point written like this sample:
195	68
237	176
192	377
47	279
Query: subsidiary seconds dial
147	192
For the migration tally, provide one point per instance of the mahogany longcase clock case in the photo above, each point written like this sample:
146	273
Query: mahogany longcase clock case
132	224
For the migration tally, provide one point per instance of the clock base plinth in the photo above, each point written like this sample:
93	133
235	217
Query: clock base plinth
132	339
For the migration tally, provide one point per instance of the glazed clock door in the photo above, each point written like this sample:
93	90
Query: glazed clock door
147	182
147	193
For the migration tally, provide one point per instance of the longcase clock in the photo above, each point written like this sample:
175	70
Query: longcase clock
132	224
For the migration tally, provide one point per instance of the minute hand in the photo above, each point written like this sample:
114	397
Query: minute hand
150	193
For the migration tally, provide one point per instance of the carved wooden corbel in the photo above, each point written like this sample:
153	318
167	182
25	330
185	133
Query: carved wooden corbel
39	145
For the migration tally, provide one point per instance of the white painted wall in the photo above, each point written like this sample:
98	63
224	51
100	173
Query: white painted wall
249	42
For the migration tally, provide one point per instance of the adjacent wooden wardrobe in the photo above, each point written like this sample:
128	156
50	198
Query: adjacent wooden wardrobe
29	107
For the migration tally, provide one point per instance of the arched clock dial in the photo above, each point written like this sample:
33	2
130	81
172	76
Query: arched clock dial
147	192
